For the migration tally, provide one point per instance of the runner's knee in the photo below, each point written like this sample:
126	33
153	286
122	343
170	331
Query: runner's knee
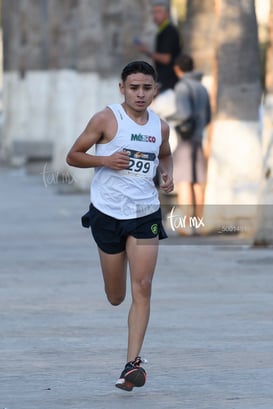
115	299
142	288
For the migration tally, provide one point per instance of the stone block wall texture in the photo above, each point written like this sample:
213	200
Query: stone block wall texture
62	61
85	35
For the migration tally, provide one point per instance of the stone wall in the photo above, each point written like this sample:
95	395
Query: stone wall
85	35
46	110
62	61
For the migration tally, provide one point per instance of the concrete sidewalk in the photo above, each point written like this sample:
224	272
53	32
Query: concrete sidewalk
209	343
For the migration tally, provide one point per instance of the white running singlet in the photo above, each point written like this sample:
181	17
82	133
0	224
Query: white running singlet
129	193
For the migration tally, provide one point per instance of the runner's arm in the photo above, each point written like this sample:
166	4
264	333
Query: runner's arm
165	166
96	131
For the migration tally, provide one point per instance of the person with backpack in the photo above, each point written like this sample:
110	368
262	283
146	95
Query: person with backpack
193	114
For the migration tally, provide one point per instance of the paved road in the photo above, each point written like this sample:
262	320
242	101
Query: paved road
209	343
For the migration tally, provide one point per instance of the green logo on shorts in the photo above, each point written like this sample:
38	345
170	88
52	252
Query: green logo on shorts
154	229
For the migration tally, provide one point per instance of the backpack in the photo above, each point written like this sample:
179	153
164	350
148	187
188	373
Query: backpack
186	127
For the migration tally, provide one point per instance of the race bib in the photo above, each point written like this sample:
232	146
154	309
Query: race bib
141	163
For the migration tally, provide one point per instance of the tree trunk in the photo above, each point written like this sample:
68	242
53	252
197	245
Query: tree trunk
199	34
269	54
199	40
235	165
264	233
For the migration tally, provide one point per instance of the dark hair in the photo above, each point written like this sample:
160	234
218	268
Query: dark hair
135	67
184	62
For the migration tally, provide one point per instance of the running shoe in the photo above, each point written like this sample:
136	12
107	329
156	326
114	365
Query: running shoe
132	375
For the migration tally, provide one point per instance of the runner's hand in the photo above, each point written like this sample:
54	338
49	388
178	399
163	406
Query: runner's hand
117	161
166	183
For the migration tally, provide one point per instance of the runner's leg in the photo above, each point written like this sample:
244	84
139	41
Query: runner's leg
114	268
142	261
199	195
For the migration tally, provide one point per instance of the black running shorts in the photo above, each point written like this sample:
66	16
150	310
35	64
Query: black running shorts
111	234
